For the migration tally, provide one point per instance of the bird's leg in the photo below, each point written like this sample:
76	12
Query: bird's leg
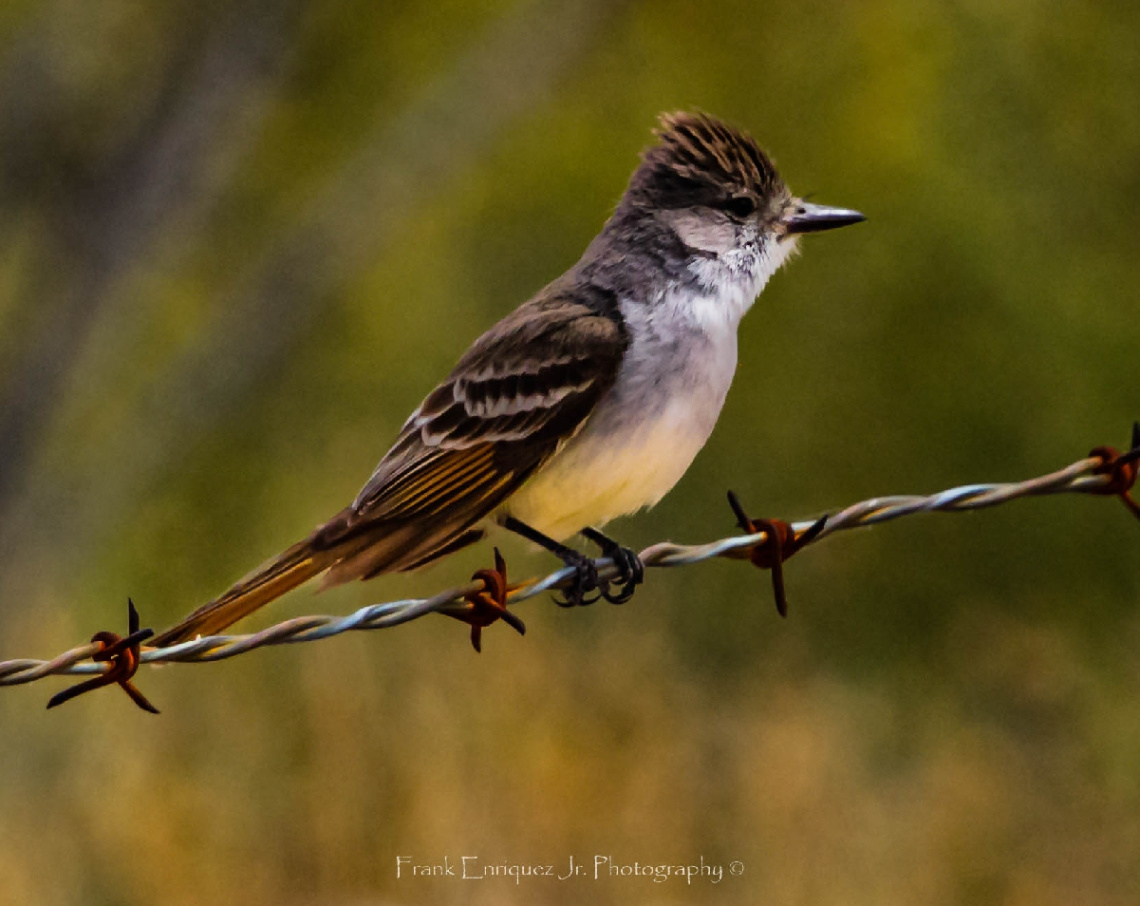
631	571
585	573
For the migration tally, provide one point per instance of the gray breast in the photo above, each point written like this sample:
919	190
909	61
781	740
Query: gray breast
681	349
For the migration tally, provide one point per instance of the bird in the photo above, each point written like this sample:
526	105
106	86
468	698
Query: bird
587	402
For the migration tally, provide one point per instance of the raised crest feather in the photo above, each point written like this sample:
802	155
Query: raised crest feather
699	159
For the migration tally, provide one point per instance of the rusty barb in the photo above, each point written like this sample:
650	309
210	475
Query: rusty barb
1122	469
780	541
113	659
483	607
123	654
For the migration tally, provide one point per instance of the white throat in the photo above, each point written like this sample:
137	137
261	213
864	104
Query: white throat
732	281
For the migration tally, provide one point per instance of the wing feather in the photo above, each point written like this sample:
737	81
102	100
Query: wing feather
523	388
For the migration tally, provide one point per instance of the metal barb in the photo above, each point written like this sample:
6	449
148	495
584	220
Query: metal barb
124	657
488	604
780	542
1122	470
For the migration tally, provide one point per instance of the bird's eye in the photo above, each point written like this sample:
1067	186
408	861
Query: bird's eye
740	206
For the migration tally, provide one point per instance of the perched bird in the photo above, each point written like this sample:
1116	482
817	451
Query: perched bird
587	402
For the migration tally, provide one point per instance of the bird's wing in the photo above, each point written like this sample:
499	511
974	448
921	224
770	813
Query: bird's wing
522	389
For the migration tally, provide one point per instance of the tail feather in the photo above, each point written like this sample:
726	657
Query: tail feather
342	551
293	567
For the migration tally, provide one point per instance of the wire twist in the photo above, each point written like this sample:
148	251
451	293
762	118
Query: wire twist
1100	473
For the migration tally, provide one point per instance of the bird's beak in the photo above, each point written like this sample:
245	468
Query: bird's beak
812	218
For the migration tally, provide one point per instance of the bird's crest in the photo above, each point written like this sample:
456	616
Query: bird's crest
700	159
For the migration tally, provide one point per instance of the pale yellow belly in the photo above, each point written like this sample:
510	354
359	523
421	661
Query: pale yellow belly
597	477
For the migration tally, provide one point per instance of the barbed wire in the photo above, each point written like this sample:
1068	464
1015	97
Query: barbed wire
1103	472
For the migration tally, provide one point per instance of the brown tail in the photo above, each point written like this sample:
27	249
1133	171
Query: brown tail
295	566
341	550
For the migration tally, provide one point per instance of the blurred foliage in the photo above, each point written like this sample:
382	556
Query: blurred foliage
241	240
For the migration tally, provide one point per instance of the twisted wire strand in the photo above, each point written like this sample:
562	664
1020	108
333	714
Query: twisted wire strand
1082	477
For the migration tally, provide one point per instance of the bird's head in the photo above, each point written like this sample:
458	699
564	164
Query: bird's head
714	187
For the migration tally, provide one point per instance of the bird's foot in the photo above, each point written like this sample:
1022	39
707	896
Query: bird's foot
585	571
577	594
631	571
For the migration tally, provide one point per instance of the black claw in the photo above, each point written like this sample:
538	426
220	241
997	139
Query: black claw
623	594
585	581
631	571
636	567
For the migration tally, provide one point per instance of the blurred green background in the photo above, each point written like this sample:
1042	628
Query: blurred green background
240	241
